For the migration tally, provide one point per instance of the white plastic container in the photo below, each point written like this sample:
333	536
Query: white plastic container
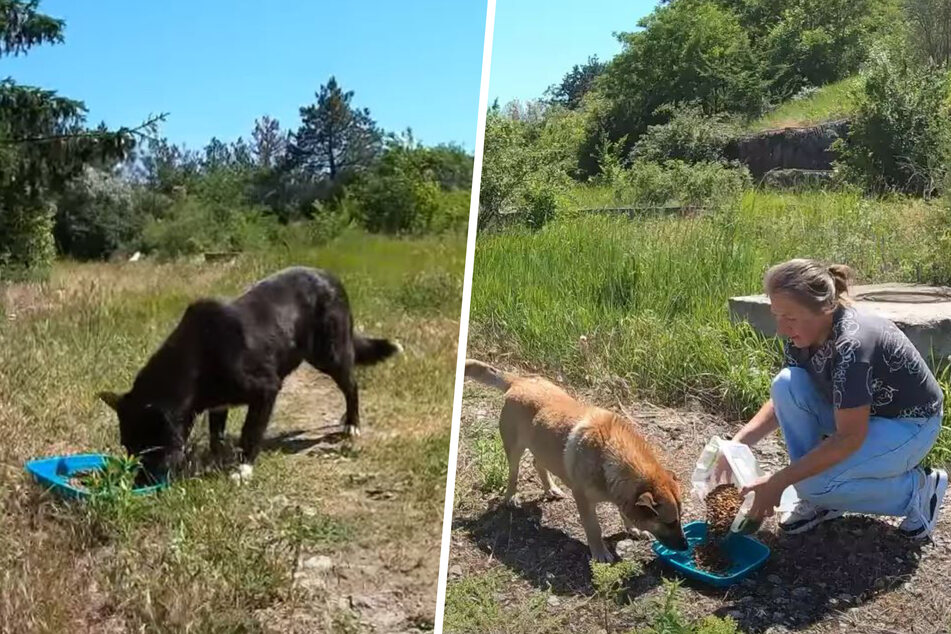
743	469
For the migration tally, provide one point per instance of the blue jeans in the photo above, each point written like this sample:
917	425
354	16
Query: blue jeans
879	478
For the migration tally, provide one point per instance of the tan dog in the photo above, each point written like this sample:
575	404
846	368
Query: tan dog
595	452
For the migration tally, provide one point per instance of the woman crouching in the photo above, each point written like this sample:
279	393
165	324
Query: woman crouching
857	406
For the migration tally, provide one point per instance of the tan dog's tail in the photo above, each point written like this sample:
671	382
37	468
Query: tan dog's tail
487	375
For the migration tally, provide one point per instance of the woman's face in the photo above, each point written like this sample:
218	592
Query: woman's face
800	324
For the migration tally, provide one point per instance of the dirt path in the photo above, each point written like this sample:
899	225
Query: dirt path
853	574
380	581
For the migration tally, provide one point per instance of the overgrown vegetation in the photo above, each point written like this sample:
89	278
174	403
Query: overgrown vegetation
699	73
206	554
900	137
651	296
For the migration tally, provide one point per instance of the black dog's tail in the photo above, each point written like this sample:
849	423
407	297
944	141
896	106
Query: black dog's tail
369	351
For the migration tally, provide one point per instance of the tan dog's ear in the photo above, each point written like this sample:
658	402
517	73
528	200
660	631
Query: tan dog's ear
646	500
673	475
110	398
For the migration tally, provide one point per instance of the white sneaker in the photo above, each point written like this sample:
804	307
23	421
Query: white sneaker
926	506
806	516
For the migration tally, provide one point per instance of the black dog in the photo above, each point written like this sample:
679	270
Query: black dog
225	354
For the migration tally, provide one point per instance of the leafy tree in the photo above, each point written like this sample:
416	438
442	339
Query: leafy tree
43	144
930	22
95	216
576	84
816	42
688	51
166	167
525	161
334	136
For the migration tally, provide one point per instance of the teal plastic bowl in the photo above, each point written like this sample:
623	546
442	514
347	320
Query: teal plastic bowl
54	473
745	553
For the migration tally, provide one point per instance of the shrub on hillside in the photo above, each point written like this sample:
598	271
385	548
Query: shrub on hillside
900	138
688	136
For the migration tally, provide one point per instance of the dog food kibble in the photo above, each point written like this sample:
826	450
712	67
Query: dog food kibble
723	503
710	557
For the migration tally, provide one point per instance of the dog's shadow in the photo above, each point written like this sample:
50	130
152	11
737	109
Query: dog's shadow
837	566
546	557
327	439
199	459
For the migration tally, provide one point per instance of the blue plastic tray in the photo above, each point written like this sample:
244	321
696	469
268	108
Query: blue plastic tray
54	473
746	555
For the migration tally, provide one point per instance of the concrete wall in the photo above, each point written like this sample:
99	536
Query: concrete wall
927	325
788	148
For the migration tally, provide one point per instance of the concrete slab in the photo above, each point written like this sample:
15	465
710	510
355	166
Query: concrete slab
922	312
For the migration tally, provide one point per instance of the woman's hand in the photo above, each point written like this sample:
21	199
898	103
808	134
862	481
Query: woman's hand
722	474
767	492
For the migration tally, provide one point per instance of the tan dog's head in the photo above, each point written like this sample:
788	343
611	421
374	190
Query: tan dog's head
657	510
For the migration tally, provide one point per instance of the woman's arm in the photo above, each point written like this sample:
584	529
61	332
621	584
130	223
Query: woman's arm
760	426
851	427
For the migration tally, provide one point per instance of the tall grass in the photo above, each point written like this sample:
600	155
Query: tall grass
649	296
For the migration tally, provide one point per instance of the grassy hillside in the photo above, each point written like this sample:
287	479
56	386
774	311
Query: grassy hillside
830	102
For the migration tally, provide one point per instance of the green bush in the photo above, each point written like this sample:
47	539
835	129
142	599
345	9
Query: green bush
701	185
396	203
539	205
900	138
526	162
327	222
27	248
95	216
192	226
411	190
688	136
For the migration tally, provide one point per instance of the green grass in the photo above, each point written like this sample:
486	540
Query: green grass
472	605
490	462
833	101
668	620
208	555
650	296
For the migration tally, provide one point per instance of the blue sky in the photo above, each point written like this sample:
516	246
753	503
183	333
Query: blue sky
217	65
537	41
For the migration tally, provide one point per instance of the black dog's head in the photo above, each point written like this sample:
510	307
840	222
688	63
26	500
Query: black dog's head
147	433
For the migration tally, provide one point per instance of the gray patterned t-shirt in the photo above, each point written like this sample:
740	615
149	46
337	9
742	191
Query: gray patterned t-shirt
867	360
